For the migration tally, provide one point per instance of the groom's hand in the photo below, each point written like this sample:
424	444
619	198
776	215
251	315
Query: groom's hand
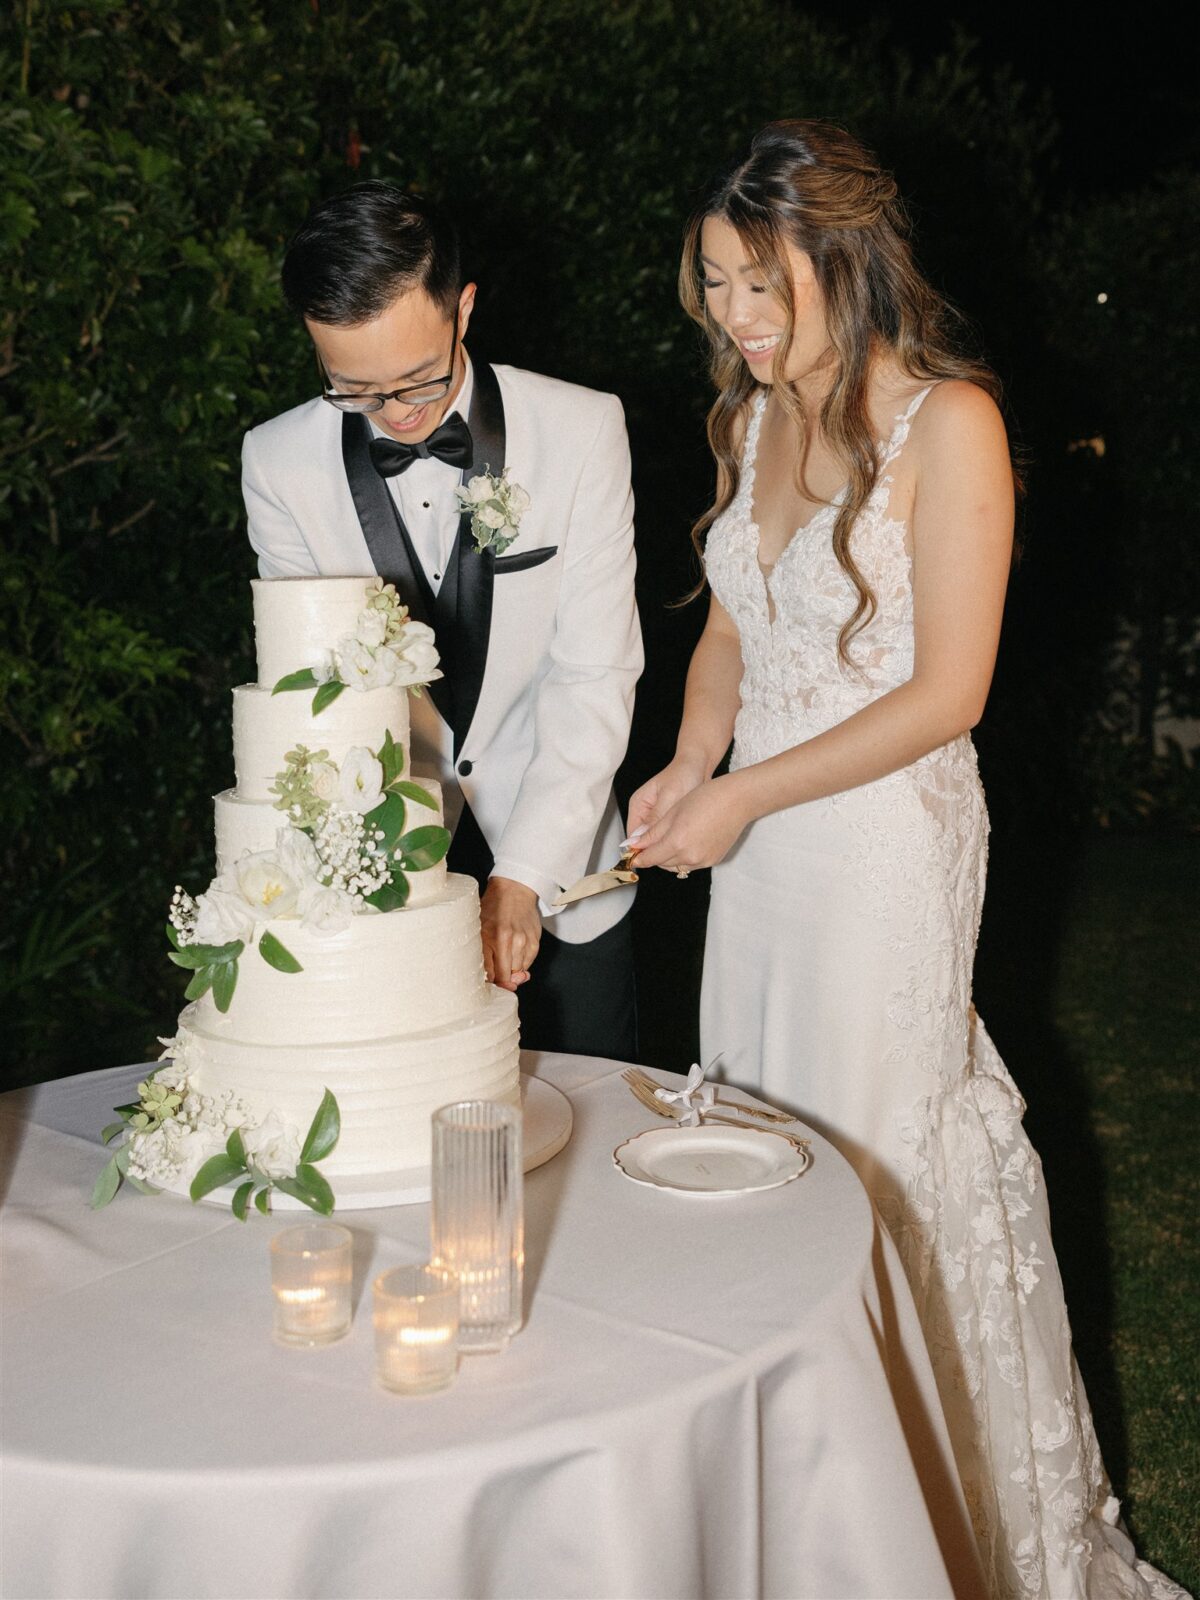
512	931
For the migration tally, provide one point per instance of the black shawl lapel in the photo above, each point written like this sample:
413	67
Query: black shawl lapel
388	541
464	602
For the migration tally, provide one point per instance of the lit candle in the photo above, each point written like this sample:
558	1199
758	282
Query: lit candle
416	1329
311	1275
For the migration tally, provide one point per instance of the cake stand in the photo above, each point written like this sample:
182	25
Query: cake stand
546	1128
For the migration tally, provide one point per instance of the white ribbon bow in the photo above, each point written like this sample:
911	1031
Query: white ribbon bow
695	1098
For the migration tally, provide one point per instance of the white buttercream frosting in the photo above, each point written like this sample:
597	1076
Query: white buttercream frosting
297	619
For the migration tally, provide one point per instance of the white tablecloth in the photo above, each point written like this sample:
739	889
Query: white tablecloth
711	1398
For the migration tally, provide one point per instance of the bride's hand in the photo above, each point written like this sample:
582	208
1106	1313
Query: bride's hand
698	831
658	794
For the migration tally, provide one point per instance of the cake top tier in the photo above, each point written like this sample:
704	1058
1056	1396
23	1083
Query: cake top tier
296	619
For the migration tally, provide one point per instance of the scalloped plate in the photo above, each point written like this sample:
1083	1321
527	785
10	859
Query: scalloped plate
710	1161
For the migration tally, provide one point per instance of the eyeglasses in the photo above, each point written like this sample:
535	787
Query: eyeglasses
417	394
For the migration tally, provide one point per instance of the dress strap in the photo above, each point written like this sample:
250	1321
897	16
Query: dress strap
903	423
750	442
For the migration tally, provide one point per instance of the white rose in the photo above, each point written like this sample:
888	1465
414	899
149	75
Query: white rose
329	910
222	915
518	500
272	1146
266	884
478	490
417	656
491	517
361	785
364	668
371	627
323	779
298	854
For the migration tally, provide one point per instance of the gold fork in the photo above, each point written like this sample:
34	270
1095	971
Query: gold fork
762	1112
641	1086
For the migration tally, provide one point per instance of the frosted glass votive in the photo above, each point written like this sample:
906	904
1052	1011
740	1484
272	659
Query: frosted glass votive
477	1217
311	1276
416	1329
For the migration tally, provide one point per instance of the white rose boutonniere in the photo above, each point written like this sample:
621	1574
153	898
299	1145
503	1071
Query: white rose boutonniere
496	506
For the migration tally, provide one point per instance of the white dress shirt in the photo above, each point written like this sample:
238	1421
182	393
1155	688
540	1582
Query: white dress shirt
425	494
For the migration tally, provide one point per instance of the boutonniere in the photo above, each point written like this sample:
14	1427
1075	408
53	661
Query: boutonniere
496	506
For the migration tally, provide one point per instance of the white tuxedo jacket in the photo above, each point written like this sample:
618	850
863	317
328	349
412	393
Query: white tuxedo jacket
541	646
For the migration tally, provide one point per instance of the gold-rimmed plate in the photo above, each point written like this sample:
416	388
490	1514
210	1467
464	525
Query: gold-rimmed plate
710	1161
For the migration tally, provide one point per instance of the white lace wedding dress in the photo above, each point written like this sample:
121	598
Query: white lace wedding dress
837	980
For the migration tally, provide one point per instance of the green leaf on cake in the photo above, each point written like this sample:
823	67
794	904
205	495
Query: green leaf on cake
201	983
215	1171
414	792
392	897
172	936
323	1133
310	1188
388	818
423	848
241	1199
326	695
235	1149
305	679
316	1184
276	954
107	1184
206	955
111	1132
224	982
262	1201
391	759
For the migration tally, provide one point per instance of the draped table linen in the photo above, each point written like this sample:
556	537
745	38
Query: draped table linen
711	1397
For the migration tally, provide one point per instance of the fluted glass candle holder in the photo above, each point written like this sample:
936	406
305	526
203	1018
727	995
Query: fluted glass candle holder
311	1275
477	1217
416	1329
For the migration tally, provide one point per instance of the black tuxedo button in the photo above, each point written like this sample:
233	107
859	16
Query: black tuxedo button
465	768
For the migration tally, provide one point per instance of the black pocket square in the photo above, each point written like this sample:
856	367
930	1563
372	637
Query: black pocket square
526	558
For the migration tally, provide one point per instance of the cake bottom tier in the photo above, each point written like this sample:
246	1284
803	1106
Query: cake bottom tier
386	1089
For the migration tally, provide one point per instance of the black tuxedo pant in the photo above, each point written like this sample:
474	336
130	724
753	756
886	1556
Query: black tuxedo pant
580	998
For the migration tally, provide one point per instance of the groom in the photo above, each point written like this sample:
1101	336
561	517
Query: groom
539	639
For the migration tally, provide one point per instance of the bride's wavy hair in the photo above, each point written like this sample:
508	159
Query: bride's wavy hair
813	185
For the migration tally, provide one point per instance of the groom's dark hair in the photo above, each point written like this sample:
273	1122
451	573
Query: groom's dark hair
359	250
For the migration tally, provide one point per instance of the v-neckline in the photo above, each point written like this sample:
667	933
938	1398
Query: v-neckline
750	473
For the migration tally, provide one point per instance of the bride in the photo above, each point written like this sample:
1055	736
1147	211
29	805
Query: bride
858	554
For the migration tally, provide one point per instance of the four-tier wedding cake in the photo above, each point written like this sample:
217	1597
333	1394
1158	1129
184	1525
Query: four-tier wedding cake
333	951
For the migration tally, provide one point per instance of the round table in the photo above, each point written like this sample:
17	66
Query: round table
710	1398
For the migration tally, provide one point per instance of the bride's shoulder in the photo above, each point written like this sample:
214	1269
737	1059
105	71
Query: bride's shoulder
956	415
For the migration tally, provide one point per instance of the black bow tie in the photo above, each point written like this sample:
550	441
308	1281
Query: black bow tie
450	443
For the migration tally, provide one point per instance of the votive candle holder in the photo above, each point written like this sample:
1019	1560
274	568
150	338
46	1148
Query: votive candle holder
312	1270
477	1217
416	1329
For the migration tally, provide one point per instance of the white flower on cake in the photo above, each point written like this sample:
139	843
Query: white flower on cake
223	914
417	659
177	1135
360	787
386	648
266	885
273	1147
371	627
325	779
329	910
